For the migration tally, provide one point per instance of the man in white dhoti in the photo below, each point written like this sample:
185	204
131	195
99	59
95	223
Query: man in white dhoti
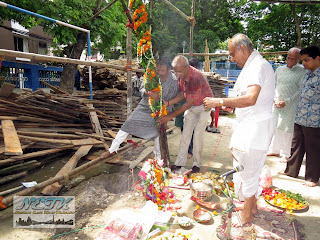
250	140
288	85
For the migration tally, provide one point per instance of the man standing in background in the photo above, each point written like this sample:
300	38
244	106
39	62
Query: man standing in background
288	84
306	136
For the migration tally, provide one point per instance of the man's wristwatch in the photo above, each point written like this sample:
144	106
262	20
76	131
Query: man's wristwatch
221	102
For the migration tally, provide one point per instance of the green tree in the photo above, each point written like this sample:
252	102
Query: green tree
214	22
280	26
107	29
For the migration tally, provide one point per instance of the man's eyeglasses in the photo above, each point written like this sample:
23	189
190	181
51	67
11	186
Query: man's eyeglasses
232	54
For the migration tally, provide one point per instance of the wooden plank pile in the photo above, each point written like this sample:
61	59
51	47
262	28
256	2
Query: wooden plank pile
218	86
35	126
102	78
107	78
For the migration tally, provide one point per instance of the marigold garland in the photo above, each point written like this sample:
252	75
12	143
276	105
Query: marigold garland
145	56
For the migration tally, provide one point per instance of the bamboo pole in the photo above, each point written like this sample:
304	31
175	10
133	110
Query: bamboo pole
12	177
129	62
192	23
176	10
227	54
292	1
39	57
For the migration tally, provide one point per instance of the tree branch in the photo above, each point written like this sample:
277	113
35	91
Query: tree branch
102	10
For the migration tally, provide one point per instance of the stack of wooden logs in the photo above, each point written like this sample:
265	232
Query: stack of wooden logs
218	85
107	78
37	125
102	78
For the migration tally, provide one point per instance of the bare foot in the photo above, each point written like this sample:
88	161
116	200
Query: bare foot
273	154
283	173
244	219
254	209
310	184
105	154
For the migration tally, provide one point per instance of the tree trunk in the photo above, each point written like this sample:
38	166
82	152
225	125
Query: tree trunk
164	145
297	21
69	70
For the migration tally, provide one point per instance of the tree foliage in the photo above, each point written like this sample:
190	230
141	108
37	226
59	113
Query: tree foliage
214	22
275	26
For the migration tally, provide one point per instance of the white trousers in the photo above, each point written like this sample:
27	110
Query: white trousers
195	121
246	182
122	135
281	143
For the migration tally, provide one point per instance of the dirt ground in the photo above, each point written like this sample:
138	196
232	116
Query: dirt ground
109	189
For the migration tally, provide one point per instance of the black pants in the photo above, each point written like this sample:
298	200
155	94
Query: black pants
305	140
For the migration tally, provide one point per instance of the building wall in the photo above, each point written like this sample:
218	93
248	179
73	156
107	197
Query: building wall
6	39
34	40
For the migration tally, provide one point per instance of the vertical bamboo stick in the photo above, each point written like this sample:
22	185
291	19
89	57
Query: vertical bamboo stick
192	23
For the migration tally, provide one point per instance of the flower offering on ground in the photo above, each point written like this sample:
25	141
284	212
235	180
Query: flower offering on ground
284	199
154	176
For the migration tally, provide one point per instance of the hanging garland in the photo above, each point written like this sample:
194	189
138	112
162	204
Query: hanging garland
145	56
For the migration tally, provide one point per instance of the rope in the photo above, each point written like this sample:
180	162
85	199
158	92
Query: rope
221	135
129	24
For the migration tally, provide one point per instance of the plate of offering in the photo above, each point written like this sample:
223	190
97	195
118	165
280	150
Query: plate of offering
185	221
202	216
180	180
284	199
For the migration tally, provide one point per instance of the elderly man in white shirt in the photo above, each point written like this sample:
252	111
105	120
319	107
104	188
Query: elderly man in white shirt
251	138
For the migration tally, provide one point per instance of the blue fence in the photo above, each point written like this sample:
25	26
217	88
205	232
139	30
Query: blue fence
25	75
230	69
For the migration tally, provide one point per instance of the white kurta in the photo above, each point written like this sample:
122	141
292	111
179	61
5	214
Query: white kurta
252	136
288	85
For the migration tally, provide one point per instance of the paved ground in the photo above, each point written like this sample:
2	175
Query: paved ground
221	160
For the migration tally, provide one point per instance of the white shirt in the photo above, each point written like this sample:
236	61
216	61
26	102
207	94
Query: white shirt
256	123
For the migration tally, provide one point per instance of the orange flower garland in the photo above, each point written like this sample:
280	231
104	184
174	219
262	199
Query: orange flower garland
144	53
140	16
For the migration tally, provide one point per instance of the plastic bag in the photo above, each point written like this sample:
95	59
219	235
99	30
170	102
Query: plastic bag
265	177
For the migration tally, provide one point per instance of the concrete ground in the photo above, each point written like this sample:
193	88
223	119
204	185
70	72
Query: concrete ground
216	154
